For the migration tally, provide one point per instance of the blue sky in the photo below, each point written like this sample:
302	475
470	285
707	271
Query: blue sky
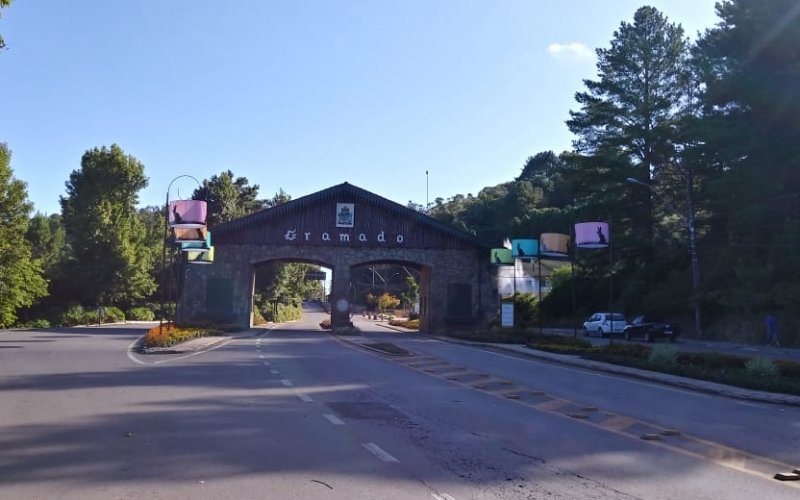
302	95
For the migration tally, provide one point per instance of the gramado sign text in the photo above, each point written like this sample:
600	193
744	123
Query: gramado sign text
326	237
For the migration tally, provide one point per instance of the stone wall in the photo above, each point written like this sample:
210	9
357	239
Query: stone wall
439	268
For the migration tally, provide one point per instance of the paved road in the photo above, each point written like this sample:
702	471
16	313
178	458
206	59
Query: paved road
298	414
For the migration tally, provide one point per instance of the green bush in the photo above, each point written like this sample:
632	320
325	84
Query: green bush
73	316
629	351
35	324
789	369
258	318
712	360
285	312
113	315
763	369
526	310
141	314
663	355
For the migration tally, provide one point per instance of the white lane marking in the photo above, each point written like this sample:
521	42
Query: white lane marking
266	363
132	356
261	356
753	405
379	452
275	372
305	398
333	419
286	382
442	496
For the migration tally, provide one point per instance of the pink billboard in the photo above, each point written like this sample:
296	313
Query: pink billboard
187	213
592	235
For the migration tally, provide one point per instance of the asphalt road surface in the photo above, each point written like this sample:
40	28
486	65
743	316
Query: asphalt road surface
294	413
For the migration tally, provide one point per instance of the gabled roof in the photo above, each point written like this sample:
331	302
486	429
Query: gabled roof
345	190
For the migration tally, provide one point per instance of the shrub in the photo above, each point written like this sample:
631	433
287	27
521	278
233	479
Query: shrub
169	334
35	324
789	369
411	324
258	318
631	351
663	355
283	313
113	315
73	316
526	310
413	315
762	369
141	314
325	324
713	360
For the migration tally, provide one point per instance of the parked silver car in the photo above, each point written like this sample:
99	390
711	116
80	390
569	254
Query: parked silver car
604	324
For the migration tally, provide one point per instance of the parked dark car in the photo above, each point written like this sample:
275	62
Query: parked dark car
650	328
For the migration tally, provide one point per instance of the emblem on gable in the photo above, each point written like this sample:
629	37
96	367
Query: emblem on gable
345	214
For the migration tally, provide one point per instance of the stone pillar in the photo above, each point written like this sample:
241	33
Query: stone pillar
425	324
340	296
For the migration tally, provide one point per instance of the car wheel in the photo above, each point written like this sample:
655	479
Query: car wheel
627	335
601	333
647	337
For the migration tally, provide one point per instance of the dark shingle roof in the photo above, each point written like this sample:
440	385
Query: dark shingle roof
345	189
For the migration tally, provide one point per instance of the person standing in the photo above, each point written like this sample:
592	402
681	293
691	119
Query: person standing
772	330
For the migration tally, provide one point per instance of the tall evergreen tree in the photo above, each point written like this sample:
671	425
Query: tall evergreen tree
750	63
109	260
629	112
21	281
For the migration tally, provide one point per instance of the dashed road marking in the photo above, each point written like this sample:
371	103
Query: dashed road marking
305	398
286	382
266	363
552	405
617	423
379	452
442	496
275	372
330	417
261	356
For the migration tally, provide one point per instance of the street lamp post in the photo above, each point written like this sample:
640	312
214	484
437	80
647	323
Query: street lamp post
692	230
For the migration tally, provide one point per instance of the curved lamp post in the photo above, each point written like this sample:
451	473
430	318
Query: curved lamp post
692	230
167	224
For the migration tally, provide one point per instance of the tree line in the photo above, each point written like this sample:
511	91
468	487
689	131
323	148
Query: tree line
671	128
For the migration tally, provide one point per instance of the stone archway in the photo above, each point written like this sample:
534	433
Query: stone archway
342	227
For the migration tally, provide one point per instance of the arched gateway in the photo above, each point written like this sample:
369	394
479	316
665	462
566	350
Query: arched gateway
342	227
